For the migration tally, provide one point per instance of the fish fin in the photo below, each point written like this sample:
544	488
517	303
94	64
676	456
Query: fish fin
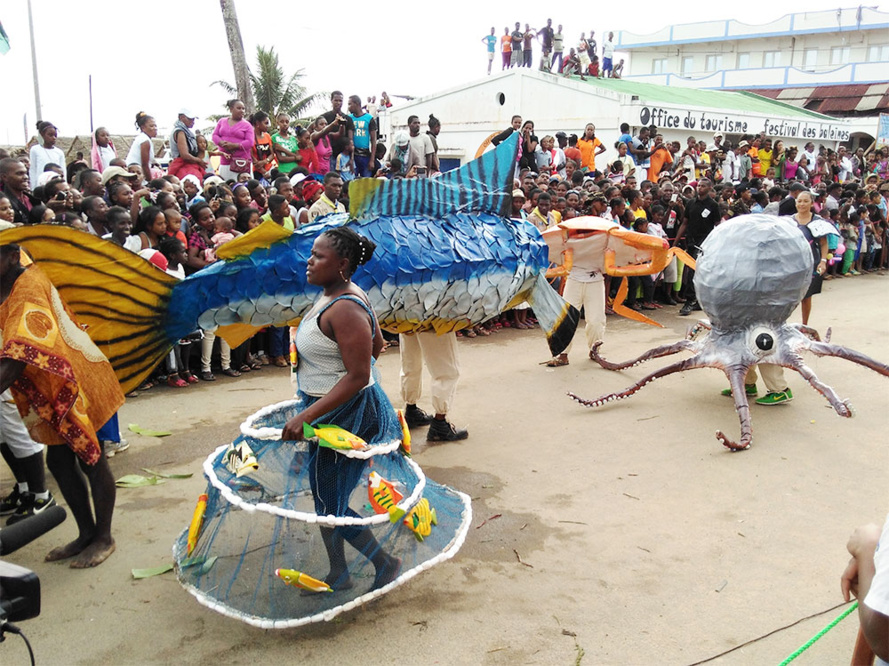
482	185
235	334
262	236
622	310
557	317
361	191
119	297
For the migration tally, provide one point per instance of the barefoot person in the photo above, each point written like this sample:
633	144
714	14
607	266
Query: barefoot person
336	344
64	389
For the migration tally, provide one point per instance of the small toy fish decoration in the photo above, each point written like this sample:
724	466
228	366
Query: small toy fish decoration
384	498
197	522
333	437
240	459
405	434
421	519
301	580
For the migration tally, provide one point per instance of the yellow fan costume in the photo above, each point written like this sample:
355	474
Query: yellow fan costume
68	389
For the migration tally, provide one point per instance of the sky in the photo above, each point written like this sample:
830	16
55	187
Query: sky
161	55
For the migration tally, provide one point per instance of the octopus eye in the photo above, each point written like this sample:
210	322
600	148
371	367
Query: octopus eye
765	341
762	341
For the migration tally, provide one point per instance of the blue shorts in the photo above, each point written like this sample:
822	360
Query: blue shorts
606	64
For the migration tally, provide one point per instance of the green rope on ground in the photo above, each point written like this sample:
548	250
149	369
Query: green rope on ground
814	638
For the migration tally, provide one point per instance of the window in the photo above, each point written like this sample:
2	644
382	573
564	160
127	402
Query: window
839	55
688	65
878	53
810	59
771	59
714	63
743	61
659	66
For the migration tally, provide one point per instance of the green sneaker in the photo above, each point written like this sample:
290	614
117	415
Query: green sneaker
749	389
776	398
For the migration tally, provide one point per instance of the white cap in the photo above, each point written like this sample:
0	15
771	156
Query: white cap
185	111
297	178
402	139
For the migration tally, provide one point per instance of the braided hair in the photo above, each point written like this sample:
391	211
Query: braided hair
351	245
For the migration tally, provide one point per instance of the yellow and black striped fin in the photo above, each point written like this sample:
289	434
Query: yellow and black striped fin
119	297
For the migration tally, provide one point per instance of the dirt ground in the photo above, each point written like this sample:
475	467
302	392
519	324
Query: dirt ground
643	540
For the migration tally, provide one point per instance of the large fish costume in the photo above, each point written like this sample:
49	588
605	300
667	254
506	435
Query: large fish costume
448	258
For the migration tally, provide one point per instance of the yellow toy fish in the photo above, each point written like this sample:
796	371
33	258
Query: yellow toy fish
240	459
405	434
197	521
334	437
421	519
304	581
384	498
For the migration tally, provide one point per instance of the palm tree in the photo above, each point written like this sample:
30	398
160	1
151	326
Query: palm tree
236	45
276	93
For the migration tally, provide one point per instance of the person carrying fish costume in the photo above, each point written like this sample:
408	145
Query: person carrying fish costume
64	388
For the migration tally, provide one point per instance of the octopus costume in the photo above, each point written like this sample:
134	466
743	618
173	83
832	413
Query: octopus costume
276	517
752	273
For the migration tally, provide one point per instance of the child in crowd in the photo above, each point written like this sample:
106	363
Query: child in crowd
178	373
646	282
174	224
223	235
345	162
247	219
616	175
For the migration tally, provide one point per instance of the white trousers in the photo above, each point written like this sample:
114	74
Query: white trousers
13	431
591	296
225	352
439	353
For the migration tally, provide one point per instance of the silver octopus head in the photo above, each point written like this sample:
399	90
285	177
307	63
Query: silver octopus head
754	268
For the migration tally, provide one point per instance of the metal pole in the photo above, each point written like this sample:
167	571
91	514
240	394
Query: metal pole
34	63
92	129
25	127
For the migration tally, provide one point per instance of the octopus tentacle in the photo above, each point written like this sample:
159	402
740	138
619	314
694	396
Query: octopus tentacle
657	352
810	332
701	327
842	407
687	364
824	349
736	375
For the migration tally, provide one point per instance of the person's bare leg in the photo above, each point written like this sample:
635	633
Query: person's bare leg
807	309
104	494
62	462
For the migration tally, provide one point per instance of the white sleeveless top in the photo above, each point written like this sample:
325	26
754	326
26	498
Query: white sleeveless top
319	361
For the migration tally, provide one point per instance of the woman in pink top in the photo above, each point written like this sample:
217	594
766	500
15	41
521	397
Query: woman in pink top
321	140
235	137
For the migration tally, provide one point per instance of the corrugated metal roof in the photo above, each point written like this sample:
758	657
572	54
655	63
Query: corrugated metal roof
849	98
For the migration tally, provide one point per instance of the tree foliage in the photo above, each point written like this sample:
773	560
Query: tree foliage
274	91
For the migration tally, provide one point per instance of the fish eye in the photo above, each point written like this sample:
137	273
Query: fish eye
762	341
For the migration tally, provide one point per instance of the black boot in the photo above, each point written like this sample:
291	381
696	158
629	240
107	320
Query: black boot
416	417
444	431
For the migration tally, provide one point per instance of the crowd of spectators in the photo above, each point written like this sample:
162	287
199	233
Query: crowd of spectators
255	167
517	50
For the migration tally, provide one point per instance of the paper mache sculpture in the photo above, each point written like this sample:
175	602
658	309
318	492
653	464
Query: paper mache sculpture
751	274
